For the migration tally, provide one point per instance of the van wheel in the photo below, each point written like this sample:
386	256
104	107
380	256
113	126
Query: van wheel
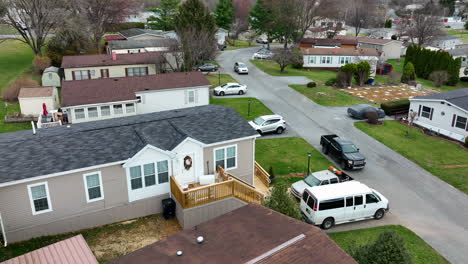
279	130
379	214
325	150
260	132
328	223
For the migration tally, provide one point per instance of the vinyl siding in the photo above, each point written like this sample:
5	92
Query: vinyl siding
114	71
245	159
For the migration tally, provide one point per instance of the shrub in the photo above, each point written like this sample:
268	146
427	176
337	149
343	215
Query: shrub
387	249
395	106
40	63
408	73
10	94
466	142
330	82
272	174
311	85
345	78
372	118
362	72
281	201
439	78
464	79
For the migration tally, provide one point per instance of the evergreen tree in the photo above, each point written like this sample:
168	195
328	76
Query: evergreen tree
409	54
281	201
408	73
388	23
224	14
389	248
165	15
454	71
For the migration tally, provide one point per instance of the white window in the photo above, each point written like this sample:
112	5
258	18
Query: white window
81	75
105	111
118	110
39	198
326	59
79	113
137	71
345	60
92	112
191	96
226	157
130	108
93	72
149	174
50	76
461	122
93	186
426	112
311	59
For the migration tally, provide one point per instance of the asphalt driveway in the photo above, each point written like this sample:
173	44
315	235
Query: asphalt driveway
433	209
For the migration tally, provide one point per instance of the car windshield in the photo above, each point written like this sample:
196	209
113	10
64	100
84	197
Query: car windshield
242	65
349	148
312	181
259	121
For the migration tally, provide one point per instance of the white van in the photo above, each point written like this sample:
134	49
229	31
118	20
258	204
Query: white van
341	203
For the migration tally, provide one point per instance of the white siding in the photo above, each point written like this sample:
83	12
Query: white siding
170	99
317	61
114	71
72	114
33	105
442	117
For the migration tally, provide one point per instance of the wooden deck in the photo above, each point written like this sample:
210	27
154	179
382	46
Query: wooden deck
260	185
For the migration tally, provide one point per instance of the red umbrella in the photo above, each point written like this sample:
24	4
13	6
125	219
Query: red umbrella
44	109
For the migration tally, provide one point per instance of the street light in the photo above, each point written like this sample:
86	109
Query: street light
308	162
248	109
219	77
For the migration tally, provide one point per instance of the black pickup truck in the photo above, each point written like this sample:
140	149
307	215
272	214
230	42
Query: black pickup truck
344	151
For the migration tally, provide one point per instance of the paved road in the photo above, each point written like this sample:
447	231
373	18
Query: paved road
434	210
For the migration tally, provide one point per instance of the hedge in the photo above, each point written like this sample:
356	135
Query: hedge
395	106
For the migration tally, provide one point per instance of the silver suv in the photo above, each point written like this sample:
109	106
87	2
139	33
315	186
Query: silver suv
269	123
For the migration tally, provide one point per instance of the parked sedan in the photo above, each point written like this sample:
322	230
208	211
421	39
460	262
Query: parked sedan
230	88
269	123
263	54
208	67
261	40
360	111
240	67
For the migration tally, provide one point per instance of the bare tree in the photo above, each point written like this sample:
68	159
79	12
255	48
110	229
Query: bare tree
172	59
103	14
197	46
286	57
361	13
33	20
425	27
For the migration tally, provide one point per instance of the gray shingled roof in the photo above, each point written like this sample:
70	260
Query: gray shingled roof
132	32
52	150
457	97
458	52
140	44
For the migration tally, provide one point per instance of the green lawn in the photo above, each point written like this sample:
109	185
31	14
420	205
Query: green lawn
241	105
461	33
420	251
7	30
215	79
398	67
328	96
428	152
239	44
288	155
15	60
272	68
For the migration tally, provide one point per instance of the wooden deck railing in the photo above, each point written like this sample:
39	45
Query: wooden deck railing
214	192
261	173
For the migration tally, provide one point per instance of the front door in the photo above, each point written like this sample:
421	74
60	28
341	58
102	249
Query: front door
187	169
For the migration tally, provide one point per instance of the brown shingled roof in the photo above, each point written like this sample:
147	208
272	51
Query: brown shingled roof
340	51
74	250
106	60
365	39
241	236
107	90
27	92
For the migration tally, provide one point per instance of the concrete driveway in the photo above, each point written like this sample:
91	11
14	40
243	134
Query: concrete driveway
433	209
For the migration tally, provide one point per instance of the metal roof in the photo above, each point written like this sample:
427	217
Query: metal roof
74	250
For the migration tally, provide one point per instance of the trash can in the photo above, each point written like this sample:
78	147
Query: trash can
168	206
371	81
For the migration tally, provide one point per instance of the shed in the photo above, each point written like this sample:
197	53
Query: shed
32	98
73	250
51	77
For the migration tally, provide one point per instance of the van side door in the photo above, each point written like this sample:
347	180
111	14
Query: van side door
331	208
358	207
307	206
349	208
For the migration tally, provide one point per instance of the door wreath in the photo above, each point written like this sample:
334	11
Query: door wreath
187	162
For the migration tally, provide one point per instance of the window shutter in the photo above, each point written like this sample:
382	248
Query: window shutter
419	112
146	70
89	75
432	111
453	120
73	75
102	73
126	72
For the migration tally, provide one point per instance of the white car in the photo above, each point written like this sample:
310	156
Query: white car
269	123
262	54
240	67
230	88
